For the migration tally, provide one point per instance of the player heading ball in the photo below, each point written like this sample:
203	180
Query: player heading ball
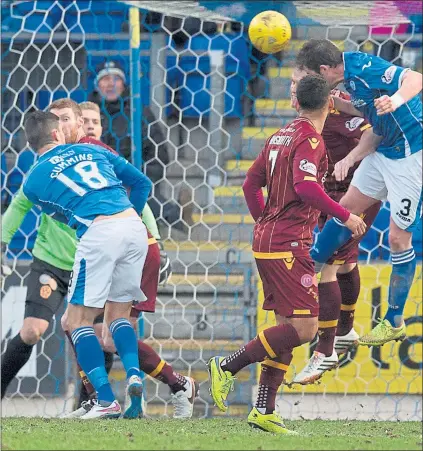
292	165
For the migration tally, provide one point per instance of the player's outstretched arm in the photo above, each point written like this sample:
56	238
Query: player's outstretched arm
14	215
139	184
411	85
368	144
311	193
345	106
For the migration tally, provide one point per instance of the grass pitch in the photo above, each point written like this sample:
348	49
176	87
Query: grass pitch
211	434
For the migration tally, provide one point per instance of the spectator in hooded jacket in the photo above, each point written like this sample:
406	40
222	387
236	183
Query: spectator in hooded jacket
112	94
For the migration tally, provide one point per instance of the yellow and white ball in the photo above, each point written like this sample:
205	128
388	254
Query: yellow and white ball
269	31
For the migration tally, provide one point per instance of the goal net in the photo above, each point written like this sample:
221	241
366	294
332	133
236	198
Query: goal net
215	100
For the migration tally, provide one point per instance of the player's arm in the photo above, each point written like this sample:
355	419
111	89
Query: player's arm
368	144
253	184
305	167
401	84
11	221
139	184
150	222
411	85
14	216
345	106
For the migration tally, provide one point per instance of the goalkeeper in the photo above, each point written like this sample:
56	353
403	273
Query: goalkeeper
48	280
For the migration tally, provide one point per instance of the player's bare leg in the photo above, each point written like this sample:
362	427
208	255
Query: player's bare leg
348	276
392	327
19	349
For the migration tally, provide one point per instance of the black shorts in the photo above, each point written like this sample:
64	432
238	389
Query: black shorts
47	289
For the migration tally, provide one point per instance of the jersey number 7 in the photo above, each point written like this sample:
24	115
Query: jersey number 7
272	157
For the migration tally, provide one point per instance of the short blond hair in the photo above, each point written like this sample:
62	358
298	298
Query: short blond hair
89	106
65	103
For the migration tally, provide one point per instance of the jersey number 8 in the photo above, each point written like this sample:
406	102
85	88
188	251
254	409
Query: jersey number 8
90	174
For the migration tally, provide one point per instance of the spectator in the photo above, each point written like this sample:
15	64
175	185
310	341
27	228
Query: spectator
112	95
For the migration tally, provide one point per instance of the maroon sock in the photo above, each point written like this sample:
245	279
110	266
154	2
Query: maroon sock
271	378
349	285
154	366
268	344
330	304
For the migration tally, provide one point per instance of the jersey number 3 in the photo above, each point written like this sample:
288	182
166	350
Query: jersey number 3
90	175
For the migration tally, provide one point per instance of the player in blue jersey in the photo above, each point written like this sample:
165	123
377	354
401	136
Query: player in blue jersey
83	185
388	97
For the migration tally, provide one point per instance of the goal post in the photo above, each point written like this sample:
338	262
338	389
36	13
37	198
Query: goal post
215	100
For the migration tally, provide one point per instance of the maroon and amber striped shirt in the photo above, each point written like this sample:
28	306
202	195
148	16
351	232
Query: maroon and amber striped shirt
294	154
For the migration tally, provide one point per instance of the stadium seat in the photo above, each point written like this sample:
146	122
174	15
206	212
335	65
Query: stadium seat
25	236
41	16
111	17
23	163
194	75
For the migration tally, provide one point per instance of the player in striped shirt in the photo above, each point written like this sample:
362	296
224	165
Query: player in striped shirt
292	165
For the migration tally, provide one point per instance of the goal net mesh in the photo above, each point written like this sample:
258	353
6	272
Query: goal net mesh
216	100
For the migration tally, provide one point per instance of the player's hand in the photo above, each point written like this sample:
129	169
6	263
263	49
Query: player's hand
356	225
5	269
384	105
165	266
342	168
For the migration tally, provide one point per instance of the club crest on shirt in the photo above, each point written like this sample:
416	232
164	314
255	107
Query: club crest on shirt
308	167
388	76
307	280
352	85
353	123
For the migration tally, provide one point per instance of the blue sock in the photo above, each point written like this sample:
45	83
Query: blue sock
403	269
91	358
126	345
329	240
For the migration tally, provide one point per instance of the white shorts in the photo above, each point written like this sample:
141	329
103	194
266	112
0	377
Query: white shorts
397	181
109	261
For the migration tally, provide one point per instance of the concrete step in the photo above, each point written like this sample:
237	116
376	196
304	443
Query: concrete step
275	108
222	227
209	254
208	323
190	350
231	198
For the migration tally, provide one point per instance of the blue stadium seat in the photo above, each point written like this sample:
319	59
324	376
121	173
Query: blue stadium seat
25	236
97	17
40	15
23	163
193	75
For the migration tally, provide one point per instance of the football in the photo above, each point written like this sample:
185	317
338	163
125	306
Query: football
269	31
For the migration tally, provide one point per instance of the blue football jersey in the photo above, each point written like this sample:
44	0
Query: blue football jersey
369	77
78	181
